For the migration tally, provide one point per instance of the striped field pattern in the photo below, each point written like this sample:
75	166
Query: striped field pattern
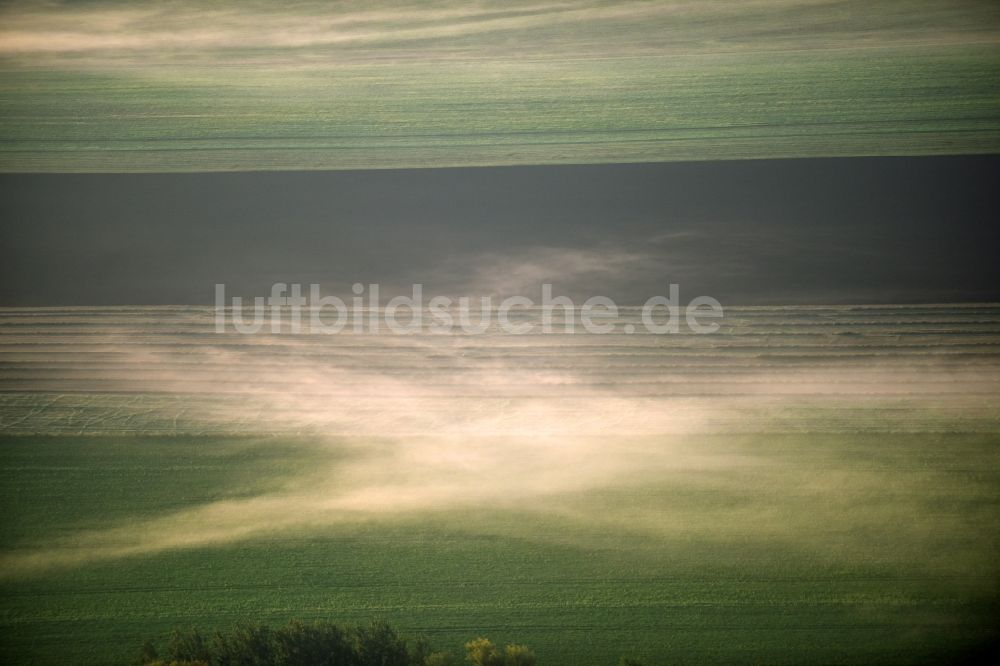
799	369
806	485
107	87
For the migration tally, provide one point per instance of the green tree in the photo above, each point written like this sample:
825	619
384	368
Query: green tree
321	644
378	644
187	646
418	652
482	652
518	655
439	659
246	645
147	653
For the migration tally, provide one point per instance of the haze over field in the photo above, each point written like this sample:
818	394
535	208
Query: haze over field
815	482
717	498
106	86
451	421
846	442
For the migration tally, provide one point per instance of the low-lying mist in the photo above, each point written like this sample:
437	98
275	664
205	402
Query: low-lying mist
714	437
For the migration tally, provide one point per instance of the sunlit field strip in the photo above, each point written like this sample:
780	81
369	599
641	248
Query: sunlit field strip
576	83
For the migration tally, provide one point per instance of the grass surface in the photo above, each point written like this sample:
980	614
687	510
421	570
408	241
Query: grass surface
775	585
807	485
394	87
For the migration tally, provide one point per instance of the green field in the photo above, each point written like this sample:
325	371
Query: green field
807	485
101	87
811	550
